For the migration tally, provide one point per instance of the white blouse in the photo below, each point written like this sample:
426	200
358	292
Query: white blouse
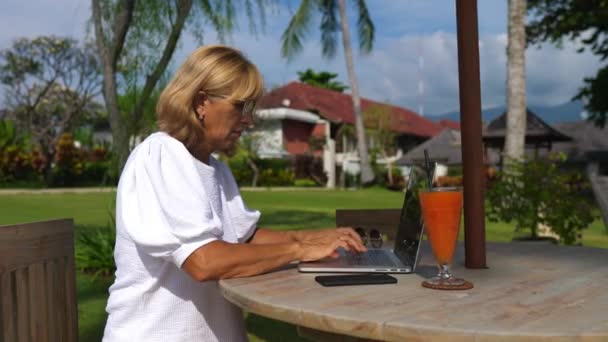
168	204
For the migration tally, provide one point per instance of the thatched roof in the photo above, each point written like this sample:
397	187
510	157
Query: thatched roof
588	139
443	148
537	131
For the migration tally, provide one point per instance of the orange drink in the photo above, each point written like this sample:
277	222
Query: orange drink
441	213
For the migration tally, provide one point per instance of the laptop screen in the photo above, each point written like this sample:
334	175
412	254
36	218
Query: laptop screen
410	228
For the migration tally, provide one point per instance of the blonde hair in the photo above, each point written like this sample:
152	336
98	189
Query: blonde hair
216	70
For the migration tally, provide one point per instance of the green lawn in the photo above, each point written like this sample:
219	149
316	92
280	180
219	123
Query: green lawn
280	209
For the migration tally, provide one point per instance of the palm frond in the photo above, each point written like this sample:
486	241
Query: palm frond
229	14
296	30
262	12
210	10
365	27
250	17
329	28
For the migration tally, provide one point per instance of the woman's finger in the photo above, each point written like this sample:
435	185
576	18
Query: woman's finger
351	232
354	244
340	243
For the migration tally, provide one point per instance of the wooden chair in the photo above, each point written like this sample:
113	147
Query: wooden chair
384	220
38	282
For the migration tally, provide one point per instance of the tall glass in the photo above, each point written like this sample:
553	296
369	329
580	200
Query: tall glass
441	212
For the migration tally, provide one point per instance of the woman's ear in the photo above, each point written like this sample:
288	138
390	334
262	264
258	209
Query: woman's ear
200	104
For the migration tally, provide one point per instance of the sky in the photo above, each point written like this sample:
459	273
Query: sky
406	31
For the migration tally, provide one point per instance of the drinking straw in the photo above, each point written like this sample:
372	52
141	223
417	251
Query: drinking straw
429	170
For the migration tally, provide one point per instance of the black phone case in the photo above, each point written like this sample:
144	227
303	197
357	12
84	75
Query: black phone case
355	279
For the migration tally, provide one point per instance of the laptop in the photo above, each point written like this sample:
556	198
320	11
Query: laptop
402	259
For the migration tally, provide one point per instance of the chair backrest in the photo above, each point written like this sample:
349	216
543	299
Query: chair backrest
38	282
384	220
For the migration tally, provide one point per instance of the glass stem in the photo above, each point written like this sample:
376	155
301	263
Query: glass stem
444	271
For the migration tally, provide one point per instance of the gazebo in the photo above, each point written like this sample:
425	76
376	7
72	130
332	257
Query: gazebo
444	148
539	134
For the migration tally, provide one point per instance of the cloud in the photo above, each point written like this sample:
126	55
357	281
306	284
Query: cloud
405	30
42	17
553	75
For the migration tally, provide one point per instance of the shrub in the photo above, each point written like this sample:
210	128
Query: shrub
449	181
352	180
96	173
536	192
273	164
68	163
398	181
305	183
18	160
311	167
455	170
270	177
95	249
97	167
24	165
273	172
18	164
381	177
242	173
74	166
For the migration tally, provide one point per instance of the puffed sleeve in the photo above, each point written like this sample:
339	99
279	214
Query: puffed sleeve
161	203
244	220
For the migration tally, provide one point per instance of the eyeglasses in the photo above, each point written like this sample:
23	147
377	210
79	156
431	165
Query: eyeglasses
245	107
373	237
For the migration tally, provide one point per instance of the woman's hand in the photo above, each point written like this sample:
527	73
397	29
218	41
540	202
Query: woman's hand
267	251
318	244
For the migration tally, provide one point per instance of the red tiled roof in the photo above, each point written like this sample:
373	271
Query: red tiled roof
338	107
449	124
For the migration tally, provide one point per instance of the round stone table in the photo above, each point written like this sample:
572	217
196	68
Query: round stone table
530	292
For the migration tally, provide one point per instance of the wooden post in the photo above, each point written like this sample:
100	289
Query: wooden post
470	121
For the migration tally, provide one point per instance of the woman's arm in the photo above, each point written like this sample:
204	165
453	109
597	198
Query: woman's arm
265	236
221	260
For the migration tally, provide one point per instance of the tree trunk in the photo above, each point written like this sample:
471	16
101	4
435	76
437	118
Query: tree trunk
120	131
367	174
109	49
183	10
389	172
516	83
256	172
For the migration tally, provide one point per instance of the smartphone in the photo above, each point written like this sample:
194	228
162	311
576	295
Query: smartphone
355	279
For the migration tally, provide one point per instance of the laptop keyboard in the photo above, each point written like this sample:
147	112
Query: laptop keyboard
373	257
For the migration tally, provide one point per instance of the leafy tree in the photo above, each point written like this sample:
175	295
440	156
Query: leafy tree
249	146
322	79
10	135
51	84
136	40
539	193
378	123
515	137
556	20
296	31
127	102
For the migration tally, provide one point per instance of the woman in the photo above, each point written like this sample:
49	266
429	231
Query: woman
181	222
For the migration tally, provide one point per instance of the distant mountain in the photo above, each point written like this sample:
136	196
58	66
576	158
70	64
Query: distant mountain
567	112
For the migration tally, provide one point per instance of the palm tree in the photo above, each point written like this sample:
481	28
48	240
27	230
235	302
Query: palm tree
292	43
516	82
